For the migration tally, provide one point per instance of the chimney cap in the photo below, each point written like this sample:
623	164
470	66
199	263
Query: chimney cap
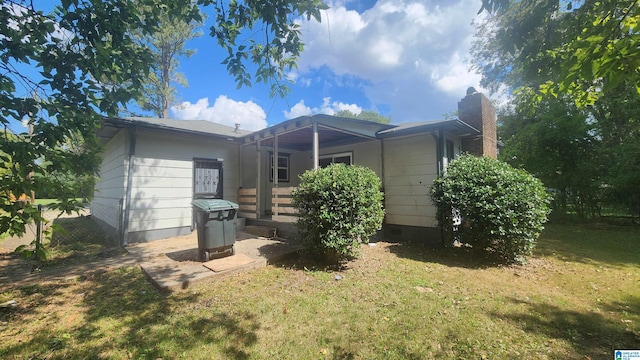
471	90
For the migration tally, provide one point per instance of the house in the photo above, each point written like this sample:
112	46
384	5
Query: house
153	168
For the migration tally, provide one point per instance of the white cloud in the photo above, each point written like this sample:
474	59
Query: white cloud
224	111
297	110
405	50
328	107
455	78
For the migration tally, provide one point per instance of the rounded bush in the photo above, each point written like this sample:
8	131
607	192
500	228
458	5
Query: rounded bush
339	207
502	209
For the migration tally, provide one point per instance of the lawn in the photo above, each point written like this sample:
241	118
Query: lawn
577	298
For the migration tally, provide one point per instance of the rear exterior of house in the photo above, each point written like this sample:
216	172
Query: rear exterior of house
149	172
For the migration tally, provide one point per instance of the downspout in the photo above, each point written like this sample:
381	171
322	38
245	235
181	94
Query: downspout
439	139
315	145
127	200
382	162
382	165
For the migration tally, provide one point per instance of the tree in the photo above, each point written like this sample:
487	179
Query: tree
592	46
83	63
167	46
367	115
558	145
617	128
546	52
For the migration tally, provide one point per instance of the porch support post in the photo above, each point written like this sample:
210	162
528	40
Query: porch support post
258	177
315	145
275	161
274	195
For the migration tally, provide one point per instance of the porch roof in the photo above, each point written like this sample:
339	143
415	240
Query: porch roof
455	127
297	134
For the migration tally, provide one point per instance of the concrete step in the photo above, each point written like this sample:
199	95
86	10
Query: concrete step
263	231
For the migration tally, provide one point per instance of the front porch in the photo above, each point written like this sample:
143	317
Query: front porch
281	216
273	159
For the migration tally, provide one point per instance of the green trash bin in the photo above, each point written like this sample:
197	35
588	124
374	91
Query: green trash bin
216	226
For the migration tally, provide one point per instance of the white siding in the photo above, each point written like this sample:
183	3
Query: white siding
409	170
111	183
162	183
365	154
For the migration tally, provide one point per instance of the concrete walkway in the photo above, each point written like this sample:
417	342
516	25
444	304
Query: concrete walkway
170	264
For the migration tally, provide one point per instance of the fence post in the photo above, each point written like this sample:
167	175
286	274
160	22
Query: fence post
39	231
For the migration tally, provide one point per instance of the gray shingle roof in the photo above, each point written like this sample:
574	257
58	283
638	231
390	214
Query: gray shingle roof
190	126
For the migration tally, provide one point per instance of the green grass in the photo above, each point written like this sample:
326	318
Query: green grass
577	298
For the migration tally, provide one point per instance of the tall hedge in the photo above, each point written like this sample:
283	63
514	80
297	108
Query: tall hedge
503	209
339	207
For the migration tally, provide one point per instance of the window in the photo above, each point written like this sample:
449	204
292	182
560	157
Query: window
342	158
207	178
283	167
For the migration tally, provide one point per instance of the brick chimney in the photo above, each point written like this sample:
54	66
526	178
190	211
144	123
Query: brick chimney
476	110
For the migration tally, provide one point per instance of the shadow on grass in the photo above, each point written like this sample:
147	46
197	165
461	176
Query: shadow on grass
589	333
463	257
455	257
305	261
124	317
28	299
589	243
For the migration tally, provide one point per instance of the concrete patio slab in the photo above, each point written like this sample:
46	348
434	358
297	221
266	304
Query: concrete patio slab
171	264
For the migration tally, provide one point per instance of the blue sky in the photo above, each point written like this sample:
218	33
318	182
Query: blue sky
403	58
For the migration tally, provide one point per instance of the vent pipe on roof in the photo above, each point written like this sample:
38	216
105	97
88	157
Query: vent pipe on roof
237	128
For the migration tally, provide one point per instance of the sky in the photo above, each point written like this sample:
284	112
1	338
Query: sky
406	59
402	58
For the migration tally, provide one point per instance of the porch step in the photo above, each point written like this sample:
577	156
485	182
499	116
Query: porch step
264	231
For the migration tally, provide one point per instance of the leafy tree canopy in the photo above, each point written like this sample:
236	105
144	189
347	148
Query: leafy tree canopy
561	56
590	45
368	115
62	71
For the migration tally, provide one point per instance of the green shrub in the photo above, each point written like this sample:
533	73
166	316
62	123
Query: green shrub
503	209
339	207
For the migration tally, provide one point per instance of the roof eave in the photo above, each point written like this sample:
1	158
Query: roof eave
456	127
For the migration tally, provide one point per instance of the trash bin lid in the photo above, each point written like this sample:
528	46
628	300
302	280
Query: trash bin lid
211	205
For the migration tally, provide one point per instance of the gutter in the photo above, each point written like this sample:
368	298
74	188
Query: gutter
127	200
